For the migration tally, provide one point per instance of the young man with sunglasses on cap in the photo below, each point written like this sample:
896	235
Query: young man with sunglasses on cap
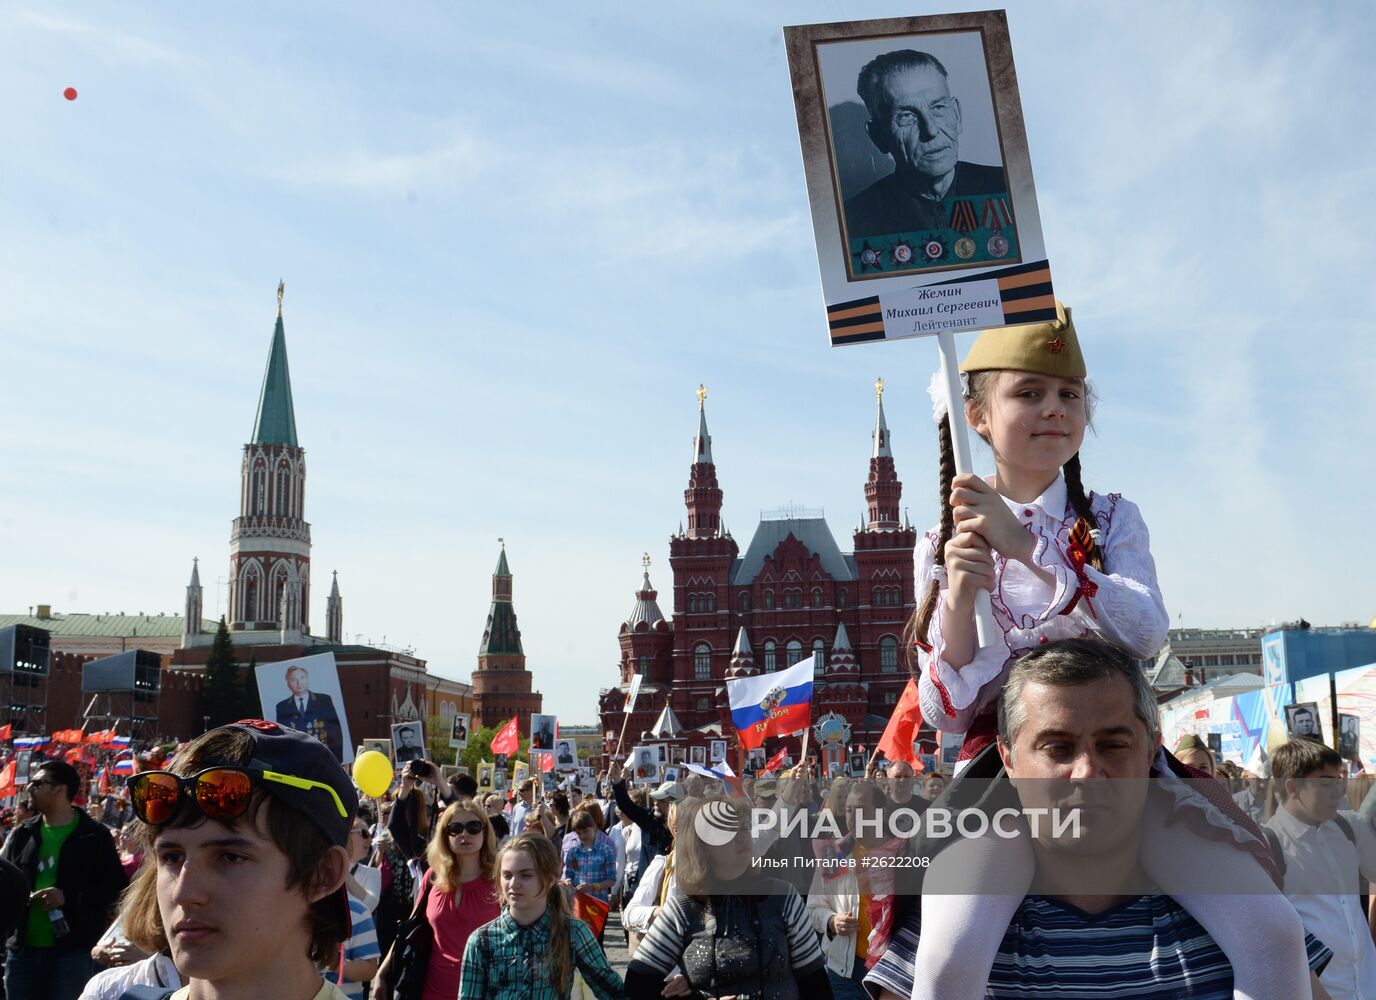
248	832
73	868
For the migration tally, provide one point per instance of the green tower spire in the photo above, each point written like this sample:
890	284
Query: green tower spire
276	422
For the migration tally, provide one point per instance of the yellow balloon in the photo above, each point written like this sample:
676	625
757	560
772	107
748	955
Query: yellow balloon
372	773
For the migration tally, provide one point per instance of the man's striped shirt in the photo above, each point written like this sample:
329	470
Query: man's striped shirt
1147	948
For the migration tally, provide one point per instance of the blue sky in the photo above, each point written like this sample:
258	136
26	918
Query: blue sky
515	241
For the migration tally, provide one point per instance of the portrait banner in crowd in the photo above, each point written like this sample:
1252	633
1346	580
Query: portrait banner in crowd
520	772
1302	721
485	777
304	694
383	747
542	732
458	730
918	176
408	741
565	755
644	765
717	750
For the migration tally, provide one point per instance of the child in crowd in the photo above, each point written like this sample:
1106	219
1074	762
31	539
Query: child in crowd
1059	563
531	950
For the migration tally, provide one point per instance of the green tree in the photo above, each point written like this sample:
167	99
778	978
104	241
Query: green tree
479	749
222	694
250	705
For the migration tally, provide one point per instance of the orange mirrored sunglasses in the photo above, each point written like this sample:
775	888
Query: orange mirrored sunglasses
220	792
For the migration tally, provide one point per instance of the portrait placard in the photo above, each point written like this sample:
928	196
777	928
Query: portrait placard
383	747
718	751
542	730
565	755
644	766
1349	737
458	732
485	777
408	741
918	176
1302	721
304	694
697	755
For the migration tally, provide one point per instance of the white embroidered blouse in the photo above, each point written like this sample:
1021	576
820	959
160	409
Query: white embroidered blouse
1125	608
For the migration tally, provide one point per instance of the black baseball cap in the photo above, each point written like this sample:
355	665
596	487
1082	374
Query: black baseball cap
294	754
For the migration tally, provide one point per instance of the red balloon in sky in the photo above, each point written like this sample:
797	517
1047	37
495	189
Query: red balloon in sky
70	93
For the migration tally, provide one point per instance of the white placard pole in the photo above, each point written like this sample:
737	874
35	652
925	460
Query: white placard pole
985	626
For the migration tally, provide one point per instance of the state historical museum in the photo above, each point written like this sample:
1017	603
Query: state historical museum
793	593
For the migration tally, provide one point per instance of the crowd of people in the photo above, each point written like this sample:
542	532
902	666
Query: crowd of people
247	866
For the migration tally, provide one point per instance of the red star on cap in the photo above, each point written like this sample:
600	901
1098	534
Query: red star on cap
1057	345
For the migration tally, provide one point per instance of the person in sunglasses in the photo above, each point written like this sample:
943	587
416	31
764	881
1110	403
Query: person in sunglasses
73	869
458	895
247	833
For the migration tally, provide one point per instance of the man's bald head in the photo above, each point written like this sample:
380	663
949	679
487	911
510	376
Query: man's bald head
900	782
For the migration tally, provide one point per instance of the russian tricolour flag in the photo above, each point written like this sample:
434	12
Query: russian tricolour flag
771	704
30	742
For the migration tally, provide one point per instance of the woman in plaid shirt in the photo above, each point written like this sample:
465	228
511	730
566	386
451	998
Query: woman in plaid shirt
530	951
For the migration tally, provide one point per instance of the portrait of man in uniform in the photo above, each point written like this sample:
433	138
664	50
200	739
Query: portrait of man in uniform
310	711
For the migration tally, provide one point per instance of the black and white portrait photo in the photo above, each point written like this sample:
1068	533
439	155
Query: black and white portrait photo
542	732
458	733
1302	721
1349	737
408	741
917	154
697	755
565	755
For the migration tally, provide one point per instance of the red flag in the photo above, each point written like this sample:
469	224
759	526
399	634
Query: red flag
775	761
591	910
7	779
543	759
897	741
6	731
508	739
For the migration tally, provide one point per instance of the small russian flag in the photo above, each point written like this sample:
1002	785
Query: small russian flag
118	741
771	704
125	766
30	742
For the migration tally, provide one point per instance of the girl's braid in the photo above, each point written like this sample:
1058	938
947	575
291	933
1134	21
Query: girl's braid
1075	493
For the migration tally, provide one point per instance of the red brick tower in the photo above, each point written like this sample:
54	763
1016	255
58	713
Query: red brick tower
701	560
502	684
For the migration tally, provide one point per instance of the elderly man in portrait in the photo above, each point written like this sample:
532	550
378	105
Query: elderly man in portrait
1078	730
914	118
310	711
407	745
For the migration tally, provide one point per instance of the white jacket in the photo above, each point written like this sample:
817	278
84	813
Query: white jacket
826	898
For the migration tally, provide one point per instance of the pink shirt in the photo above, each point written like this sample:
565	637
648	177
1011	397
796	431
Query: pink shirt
453	922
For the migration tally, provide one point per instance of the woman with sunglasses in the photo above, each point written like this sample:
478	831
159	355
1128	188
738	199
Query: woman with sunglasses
457	897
